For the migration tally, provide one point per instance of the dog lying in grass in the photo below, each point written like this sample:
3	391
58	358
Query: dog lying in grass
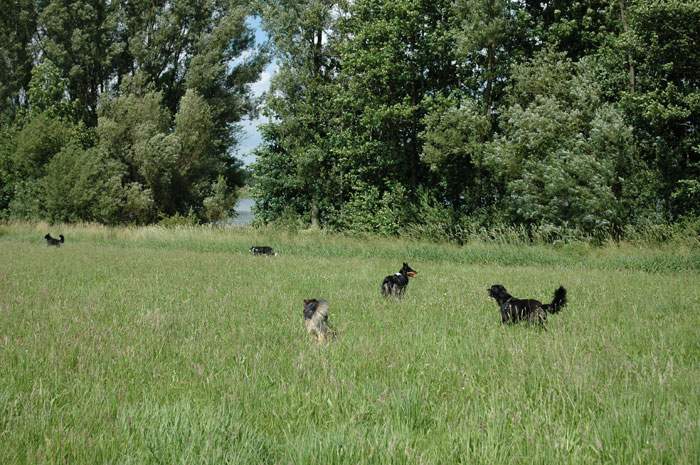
514	310
51	241
395	284
262	250
316	320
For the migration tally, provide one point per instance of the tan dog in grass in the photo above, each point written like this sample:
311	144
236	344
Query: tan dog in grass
316	320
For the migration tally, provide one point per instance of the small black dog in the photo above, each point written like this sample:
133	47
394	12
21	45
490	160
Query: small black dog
534	311
395	284
316	319
262	250
53	241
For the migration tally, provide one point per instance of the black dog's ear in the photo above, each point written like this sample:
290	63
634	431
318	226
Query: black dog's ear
306	301
405	264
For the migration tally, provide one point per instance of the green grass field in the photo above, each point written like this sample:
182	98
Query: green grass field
155	346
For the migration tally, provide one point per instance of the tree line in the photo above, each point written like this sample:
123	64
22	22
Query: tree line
123	111
443	115
384	115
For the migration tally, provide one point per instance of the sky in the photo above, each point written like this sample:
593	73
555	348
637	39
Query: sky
250	138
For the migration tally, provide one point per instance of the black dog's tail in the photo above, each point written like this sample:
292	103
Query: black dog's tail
558	302
62	238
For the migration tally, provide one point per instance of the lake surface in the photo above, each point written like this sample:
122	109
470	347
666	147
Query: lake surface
244	210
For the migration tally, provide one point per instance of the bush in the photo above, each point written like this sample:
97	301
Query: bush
83	185
564	155
178	220
38	142
26	202
370	211
139	207
220	204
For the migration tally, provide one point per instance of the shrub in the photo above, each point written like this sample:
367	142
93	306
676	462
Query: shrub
83	185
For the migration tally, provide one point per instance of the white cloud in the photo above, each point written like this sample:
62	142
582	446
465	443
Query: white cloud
250	137
263	84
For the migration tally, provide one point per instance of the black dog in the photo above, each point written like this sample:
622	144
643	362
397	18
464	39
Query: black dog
262	250
316	319
55	242
395	284
534	311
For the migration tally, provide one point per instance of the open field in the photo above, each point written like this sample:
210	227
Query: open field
153	346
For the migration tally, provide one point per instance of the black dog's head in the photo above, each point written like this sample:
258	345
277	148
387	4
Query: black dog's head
408	271
48	237
498	292
310	308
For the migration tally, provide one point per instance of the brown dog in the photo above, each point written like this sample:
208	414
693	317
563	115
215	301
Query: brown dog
316	319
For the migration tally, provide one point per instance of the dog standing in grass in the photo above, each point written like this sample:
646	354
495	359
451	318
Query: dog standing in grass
263	250
316	320
534	311
395	284
52	241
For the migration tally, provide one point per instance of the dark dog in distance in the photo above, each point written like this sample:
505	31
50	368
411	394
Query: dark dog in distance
51	241
534	311
262	250
316	320
395	284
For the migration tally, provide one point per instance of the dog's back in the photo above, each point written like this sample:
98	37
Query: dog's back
51	241
394	284
262	250
524	309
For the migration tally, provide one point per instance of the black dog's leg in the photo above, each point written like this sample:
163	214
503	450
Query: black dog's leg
505	314
541	319
539	316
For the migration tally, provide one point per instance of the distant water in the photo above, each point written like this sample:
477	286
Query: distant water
244	212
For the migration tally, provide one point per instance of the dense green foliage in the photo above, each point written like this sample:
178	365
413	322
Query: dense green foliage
206	361
571	115
383	116
122	111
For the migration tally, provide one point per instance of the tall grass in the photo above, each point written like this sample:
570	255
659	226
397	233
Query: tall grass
154	345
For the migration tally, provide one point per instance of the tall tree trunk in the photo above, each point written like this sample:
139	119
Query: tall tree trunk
490	72
416	89
317	39
630	63
317	52
315	224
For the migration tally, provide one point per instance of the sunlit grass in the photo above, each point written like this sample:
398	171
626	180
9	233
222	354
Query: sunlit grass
149	345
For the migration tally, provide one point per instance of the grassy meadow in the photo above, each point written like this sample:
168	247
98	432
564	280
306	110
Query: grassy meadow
176	346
